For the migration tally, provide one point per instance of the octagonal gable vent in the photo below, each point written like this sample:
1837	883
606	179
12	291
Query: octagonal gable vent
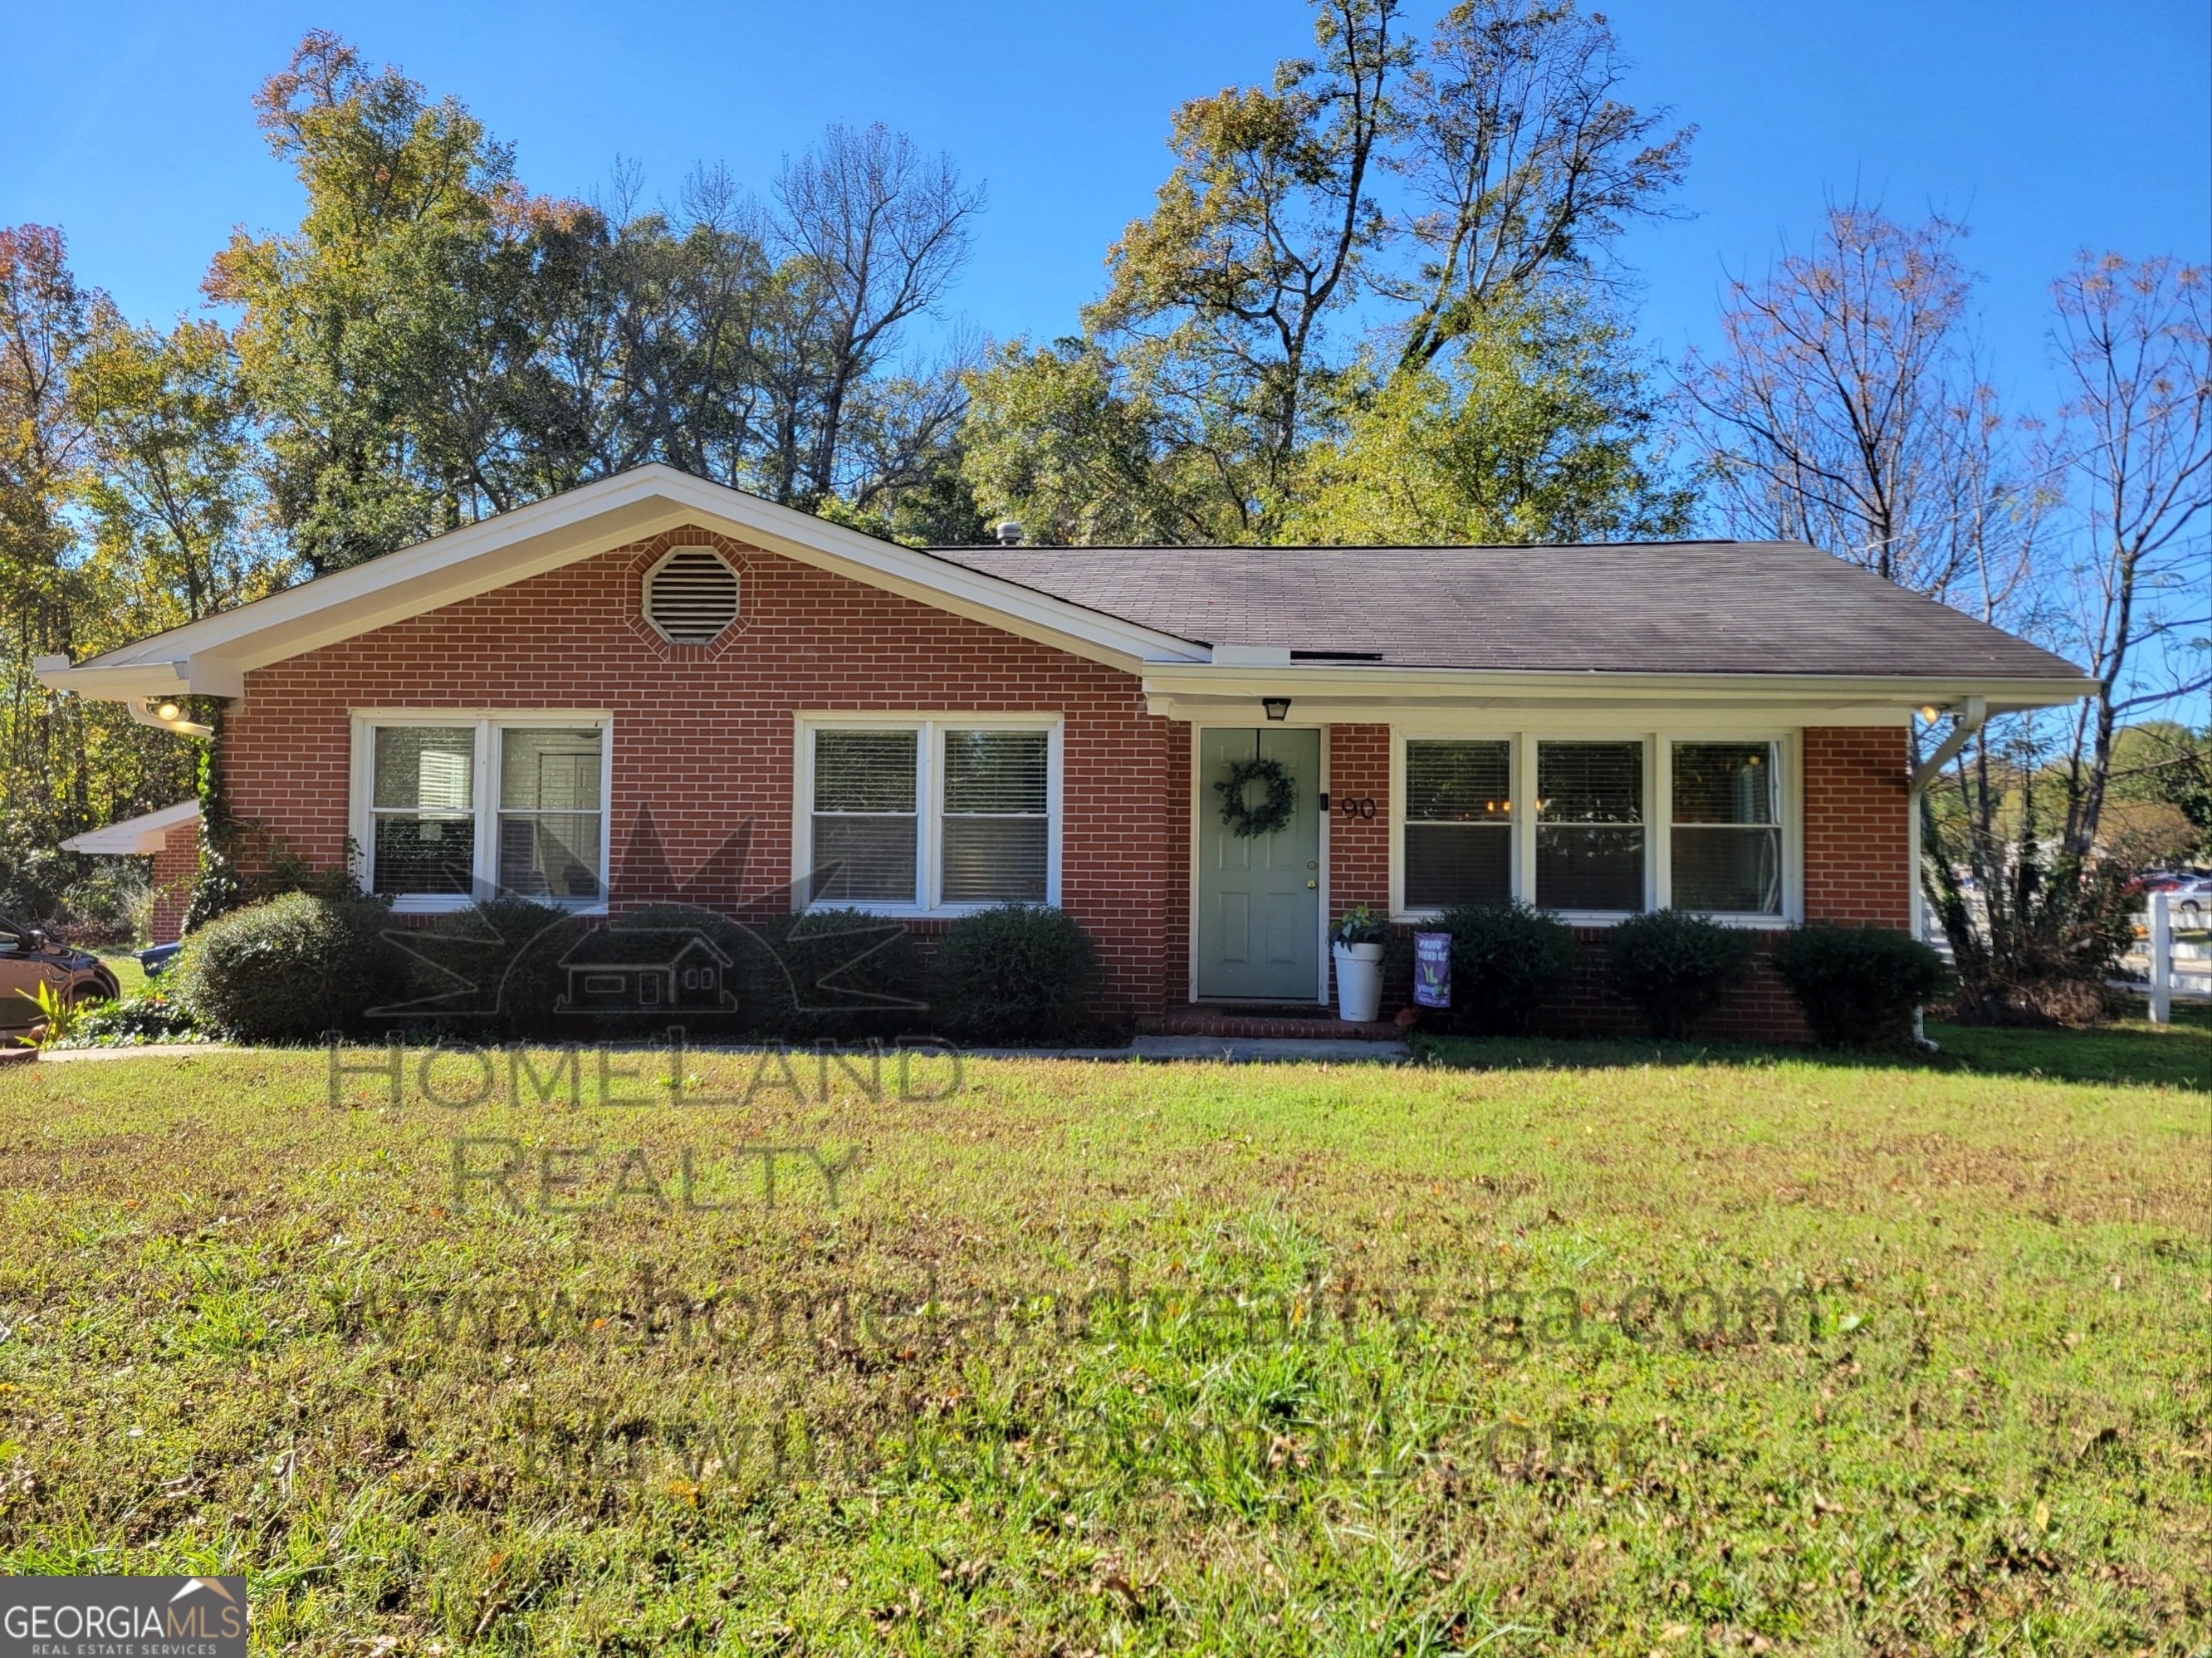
692	595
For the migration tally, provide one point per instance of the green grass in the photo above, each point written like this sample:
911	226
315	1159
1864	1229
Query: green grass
123	962
1298	1432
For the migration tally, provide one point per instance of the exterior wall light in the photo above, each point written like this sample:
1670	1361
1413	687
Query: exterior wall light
1278	707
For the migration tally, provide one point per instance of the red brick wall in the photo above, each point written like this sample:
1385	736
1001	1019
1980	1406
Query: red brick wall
704	739
176	872
1181	737
1359	846
704	736
1858	852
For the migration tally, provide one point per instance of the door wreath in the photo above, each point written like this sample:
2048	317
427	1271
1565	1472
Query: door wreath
1249	822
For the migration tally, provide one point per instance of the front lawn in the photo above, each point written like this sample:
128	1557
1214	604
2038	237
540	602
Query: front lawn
1526	1350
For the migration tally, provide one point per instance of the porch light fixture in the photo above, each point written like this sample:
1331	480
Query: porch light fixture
166	713
1278	707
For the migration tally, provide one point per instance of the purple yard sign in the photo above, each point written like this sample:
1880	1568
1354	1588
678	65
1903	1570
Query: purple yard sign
1432	970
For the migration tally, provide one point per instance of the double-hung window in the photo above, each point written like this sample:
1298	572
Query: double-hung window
933	814
1727	833
450	808
1459	823
1590	826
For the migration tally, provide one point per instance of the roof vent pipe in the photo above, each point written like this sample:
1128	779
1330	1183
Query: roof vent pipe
1010	532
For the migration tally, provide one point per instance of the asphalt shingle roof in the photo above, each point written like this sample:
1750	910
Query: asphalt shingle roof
1677	607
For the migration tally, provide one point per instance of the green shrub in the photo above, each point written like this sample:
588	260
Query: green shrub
1507	961
495	969
843	974
149	1015
1017	973
1858	984
292	969
1675	966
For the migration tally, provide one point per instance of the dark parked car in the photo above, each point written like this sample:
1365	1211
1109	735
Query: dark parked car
28	958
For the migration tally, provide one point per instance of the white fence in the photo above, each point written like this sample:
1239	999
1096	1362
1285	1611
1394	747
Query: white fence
2171	956
2168	960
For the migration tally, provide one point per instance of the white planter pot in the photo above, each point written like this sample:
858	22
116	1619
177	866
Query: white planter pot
1358	981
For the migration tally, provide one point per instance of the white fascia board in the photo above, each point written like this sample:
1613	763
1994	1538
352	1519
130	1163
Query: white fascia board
1376	689
135	836
582	524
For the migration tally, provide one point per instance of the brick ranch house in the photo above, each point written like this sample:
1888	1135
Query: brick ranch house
774	705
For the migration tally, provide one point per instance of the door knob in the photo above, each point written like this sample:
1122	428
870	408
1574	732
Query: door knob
1312	885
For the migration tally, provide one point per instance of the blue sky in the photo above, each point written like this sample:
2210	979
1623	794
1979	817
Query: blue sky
2050	127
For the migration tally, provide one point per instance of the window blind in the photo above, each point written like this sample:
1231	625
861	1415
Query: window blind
548	816
1458	832
423	802
1727	838
995	815
1590	826
865	818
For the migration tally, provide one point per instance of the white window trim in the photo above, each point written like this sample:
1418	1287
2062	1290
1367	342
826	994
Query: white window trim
1658	813
929	801
487	724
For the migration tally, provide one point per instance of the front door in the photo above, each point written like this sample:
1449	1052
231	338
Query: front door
1258	896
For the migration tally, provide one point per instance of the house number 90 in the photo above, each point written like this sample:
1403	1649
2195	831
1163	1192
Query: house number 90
1363	807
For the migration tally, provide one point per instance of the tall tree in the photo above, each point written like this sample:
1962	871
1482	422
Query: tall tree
359	328
1847	410
2136	438
172	490
1537	427
1380	203
1220	297
65	764
875	232
1520	164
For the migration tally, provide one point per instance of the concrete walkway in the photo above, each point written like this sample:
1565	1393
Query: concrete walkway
142	1051
1271	1050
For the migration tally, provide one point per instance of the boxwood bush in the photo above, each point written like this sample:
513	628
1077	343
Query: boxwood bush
846	974
1675	966
1858	984
494	969
1017	973
1507	961
295	968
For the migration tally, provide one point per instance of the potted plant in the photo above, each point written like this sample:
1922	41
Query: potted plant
1356	941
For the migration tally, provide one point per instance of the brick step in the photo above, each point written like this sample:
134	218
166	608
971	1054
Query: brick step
1318	1025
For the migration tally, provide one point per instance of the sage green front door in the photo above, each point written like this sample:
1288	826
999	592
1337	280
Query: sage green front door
1258	896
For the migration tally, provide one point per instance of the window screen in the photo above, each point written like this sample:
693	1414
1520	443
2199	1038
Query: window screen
1459	824
549	813
1590	826
865	822
424	805
995	820
1727	836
